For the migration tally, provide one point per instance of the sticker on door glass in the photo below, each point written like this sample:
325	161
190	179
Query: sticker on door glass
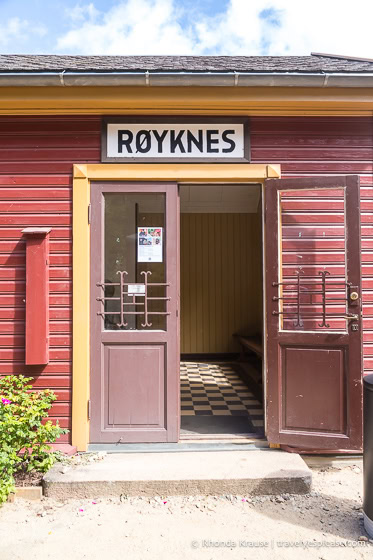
149	244
136	289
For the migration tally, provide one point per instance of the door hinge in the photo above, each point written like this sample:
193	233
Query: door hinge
89	213
89	409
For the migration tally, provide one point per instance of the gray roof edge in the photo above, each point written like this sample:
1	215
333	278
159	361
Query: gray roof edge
179	79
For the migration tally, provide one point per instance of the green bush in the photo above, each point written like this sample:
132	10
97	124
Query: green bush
24	437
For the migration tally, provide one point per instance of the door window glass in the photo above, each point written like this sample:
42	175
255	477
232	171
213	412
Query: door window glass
312	290
133	289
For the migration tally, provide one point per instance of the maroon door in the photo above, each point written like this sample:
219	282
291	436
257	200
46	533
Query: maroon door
134	313
313	309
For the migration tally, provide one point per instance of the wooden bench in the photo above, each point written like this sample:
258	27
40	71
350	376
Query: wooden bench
252	368
252	343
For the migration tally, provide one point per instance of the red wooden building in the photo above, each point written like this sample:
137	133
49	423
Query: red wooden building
228	185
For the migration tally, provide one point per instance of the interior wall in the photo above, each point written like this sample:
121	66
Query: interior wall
221	280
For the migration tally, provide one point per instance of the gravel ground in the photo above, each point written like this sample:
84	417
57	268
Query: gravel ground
324	525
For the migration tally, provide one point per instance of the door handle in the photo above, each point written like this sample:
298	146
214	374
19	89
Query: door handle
351	317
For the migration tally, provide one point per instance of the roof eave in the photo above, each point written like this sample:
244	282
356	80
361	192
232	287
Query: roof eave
185	79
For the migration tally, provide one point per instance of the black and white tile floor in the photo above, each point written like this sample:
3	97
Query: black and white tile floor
216	389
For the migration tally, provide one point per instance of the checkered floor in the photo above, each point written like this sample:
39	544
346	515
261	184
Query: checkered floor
216	389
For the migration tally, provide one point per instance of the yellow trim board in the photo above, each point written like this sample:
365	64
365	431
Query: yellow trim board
270	101
81	275
183	172
82	177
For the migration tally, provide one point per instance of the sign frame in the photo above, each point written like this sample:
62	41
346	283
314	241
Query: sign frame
167	119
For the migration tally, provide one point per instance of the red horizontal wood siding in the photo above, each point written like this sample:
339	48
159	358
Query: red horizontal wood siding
36	158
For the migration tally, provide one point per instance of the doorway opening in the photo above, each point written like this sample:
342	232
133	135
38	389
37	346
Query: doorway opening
221	320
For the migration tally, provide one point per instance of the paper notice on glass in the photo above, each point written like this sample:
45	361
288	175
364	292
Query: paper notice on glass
150	244
136	289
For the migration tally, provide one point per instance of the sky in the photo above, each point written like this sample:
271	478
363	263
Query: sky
187	27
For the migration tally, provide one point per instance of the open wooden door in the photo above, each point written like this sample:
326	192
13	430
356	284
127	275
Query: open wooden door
313	313
134	313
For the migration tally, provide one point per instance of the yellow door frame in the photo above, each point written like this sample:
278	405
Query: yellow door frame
82	177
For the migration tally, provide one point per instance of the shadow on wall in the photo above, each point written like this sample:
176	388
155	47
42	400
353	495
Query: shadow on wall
13	315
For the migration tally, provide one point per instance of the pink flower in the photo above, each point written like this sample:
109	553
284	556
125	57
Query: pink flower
165	502
81	509
6	401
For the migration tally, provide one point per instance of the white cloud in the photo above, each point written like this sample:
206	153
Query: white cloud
80	13
299	27
130	27
16	29
246	27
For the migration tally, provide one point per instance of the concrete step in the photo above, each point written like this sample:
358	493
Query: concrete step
194	473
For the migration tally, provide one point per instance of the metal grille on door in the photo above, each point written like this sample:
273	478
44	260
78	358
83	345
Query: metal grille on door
132	296
315	301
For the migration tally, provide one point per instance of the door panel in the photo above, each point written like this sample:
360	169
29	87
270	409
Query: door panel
134	313
132	399
303	369
313	308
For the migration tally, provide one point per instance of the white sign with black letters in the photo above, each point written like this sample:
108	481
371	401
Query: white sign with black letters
177	139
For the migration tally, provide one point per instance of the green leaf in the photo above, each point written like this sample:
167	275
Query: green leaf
25	430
